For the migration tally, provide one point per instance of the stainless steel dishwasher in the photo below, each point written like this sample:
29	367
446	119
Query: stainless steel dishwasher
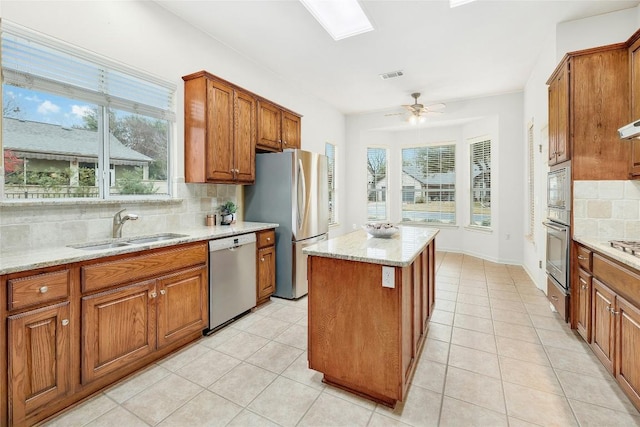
232	278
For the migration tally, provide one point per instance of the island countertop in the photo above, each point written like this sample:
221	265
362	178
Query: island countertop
399	250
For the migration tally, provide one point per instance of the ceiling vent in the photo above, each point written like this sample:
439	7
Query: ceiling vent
391	75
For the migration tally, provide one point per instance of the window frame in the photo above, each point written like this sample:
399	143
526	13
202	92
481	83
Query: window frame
331	183
152	98
471	143
451	193
386	189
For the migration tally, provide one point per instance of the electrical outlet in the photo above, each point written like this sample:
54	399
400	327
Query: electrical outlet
388	277
540	264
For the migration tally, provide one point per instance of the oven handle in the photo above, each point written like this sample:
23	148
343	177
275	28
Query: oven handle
553	227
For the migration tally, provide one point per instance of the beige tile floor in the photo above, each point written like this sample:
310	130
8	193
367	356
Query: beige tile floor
495	355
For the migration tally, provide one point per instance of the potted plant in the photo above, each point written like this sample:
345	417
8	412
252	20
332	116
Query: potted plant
227	211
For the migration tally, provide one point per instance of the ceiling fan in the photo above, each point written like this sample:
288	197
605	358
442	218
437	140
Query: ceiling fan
419	111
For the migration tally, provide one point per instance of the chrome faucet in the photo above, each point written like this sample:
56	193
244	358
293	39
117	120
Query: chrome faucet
118	222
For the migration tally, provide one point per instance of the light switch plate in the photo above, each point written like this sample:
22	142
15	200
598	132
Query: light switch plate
388	277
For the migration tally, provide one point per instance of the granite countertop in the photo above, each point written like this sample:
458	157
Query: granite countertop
11	262
605	248
399	250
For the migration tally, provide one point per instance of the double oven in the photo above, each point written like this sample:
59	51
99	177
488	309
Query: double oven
558	224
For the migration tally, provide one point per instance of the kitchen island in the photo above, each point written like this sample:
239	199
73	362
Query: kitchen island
370	300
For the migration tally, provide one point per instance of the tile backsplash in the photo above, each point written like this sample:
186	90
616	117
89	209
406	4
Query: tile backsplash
606	209
38	224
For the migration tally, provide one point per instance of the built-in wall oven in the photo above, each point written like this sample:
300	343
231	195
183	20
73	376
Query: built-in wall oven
558	237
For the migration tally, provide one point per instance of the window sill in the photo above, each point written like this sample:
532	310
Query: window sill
87	202
485	230
428	224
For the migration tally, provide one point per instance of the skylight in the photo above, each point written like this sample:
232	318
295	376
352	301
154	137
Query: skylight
340	18
456	3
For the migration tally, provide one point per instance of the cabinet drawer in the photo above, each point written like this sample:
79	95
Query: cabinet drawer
266	238
37	289
584	256
558	298
621	279
126	270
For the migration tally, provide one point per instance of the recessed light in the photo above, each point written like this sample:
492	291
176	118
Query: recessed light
340	18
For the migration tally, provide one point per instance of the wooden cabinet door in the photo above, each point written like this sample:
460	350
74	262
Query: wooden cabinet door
219	152
291	130
182	305
39	359
627	366
269	127
559	117
244	138
602	323
118	327
266	272
634	53
583	321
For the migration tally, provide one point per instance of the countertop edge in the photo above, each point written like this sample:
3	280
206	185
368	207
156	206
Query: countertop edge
605	248
406	261
53	256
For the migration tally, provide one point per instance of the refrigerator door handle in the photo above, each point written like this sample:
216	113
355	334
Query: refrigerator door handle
301	179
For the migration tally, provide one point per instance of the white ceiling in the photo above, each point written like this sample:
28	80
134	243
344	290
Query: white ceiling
482	48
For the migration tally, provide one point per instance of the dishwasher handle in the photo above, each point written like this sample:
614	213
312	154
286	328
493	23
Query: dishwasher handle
232	243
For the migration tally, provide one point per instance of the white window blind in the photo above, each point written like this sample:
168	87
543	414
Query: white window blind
31	60
330	152
480	175
429	184
377	183
531	180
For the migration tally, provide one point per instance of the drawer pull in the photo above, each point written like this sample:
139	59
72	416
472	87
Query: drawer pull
43	289
268	239
580	257
65	322
162	292
153	294
553	297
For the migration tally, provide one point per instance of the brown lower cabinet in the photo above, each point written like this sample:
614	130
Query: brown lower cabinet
72	330
608	317
266	265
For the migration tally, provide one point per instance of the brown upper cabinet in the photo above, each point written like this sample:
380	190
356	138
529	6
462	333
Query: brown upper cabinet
278	128
634	57
588	101
220	131
559	148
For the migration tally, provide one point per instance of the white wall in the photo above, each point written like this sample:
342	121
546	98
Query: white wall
570	36
499	118
145	36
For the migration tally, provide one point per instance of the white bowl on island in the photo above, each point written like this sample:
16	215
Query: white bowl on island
380	229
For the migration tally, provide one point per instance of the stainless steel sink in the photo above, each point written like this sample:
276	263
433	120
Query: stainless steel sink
96	246
99	246
155	238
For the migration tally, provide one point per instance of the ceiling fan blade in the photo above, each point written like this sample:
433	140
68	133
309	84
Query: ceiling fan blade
394	114
435	107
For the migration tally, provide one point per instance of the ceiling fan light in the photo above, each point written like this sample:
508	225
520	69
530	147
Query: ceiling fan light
422	119
413	119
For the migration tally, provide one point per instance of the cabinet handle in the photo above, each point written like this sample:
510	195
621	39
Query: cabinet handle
268	239
43	289
612	311
162	292
580	257
65	322
262	259
153	294
583	287
284	142
553	297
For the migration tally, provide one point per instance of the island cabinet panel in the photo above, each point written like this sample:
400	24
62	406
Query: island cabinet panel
602	323
363	336
354	324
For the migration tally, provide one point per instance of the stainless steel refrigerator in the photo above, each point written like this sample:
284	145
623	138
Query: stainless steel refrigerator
292	190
